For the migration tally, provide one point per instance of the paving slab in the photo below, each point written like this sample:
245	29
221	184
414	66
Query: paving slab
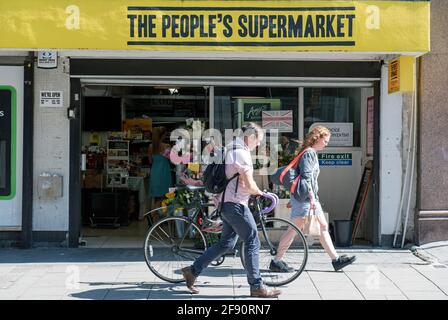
110	274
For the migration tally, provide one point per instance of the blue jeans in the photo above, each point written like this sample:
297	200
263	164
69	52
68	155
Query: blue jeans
237	222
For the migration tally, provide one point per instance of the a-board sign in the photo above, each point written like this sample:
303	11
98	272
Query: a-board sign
361	197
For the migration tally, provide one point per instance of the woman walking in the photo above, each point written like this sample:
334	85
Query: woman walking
316	140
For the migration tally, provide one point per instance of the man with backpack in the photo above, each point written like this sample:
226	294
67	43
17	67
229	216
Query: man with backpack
238	220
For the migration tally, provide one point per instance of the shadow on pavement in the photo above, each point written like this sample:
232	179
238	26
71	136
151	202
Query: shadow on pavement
315	270
71	255
129	290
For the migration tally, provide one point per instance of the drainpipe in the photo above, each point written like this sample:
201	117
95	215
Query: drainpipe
405	182
26	240
414	143
410	161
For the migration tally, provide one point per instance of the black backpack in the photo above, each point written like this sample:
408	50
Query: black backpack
215	179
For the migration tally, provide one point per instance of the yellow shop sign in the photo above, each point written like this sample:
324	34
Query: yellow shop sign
354	26
401	74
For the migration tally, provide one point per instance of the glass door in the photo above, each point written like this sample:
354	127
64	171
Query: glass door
343	111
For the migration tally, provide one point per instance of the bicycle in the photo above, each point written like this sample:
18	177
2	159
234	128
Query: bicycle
176	241
200	214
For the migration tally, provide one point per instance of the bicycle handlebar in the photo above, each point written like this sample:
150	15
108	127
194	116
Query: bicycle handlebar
274	201
269	195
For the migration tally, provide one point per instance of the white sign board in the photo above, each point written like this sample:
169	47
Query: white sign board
53	99
280	120
341	133
47	59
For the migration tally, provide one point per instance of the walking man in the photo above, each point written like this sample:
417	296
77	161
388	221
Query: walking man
236	216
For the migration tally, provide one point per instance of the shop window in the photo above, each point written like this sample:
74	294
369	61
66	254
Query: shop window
6	108
339	108
166	101
2	164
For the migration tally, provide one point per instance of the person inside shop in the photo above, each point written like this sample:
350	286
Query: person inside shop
211	152
289	146
238	220
316	140
160	179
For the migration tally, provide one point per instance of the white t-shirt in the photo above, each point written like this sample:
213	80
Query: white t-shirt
238	160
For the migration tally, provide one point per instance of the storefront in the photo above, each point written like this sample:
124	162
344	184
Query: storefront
320	62
13	105
226	104
9	113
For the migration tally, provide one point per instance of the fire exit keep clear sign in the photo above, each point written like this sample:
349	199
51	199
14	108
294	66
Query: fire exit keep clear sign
335	159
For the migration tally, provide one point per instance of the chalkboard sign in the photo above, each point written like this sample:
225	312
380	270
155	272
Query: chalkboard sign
361	197
253	111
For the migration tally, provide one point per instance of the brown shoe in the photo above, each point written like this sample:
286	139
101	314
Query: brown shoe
190	279
264	292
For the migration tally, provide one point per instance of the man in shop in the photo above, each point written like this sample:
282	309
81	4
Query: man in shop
238	220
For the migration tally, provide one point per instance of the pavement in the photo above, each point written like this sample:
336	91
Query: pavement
414	273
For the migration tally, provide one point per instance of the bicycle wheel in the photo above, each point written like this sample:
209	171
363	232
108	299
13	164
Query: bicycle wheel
295	256
157	214
171	244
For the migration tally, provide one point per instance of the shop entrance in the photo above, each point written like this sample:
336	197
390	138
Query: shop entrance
120	125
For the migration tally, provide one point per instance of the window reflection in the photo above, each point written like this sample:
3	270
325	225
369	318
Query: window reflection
333	105
2	164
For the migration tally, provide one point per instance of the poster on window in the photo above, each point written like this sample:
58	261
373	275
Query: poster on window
251	108
280	120
370	125
341	133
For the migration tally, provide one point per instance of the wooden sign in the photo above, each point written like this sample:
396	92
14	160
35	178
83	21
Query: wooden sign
361	197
